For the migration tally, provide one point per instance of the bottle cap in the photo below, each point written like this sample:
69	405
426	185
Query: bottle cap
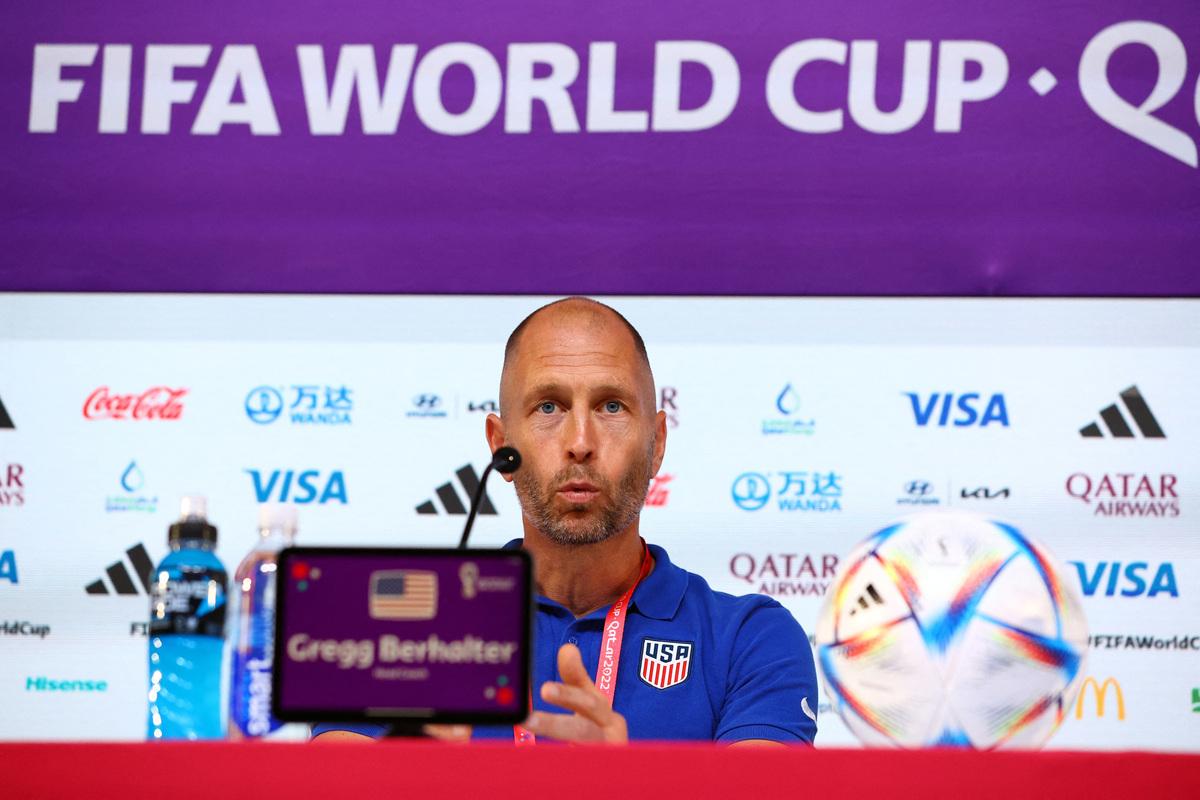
193	523
278	517
193	506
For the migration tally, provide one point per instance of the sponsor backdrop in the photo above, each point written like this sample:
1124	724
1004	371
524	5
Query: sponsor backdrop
797	427
911	147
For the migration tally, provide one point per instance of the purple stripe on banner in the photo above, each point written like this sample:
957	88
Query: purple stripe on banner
888	148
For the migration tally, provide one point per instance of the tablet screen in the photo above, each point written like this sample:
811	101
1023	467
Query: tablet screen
389	633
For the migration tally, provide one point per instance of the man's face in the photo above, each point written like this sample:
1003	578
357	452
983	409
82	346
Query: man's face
578	403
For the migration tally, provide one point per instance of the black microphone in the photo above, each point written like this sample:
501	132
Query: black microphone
505	460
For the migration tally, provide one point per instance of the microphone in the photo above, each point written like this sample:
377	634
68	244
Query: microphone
506	460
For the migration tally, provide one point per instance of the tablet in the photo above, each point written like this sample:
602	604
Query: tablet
402	634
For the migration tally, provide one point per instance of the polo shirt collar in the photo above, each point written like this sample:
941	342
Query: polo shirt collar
660	594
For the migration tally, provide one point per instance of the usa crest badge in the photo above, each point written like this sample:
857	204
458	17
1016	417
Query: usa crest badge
665	664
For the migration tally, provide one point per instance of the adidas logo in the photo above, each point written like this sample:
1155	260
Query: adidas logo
1114	420
450	499
867	599
120	578
5	419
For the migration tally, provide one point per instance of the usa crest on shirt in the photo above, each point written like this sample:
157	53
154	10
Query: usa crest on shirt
665	664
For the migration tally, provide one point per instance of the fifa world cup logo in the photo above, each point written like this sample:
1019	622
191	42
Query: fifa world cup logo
468	573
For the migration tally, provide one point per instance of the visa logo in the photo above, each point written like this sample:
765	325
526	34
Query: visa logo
8	567
1134	584
291	486
945	409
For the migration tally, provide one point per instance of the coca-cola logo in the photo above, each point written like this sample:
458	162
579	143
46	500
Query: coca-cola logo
159	402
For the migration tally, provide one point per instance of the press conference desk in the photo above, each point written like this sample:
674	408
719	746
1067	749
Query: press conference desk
415	769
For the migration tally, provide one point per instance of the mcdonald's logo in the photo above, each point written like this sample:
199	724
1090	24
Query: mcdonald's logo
1100	691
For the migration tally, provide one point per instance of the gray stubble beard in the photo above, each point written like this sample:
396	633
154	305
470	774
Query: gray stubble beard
616	516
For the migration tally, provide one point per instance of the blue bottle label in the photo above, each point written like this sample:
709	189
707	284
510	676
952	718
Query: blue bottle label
190	601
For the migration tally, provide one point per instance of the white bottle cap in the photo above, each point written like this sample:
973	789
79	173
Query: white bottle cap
278	516
193	506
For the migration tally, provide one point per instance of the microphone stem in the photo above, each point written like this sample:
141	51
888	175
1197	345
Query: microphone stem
462	543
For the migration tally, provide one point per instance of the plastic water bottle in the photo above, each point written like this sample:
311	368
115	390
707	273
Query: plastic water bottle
253	631
187	632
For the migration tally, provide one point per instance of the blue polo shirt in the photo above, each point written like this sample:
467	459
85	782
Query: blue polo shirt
695	664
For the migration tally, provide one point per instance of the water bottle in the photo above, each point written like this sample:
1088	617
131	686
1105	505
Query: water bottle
187	632
253	631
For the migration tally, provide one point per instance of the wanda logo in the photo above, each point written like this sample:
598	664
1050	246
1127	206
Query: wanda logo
160	402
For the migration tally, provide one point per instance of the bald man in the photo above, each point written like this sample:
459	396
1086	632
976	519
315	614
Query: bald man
627	645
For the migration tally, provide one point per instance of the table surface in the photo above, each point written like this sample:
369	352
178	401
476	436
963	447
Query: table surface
394	768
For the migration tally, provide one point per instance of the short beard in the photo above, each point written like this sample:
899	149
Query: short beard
622	509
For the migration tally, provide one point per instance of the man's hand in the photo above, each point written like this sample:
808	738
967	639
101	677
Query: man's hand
593	720
458	734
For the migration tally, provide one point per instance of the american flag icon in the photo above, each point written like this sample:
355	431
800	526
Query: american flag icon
403	594
665	664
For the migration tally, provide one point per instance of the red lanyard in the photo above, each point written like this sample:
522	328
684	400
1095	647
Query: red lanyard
610	650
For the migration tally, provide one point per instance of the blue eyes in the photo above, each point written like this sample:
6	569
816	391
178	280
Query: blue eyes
611	407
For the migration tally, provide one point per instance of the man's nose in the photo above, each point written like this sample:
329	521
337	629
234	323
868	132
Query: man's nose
581	436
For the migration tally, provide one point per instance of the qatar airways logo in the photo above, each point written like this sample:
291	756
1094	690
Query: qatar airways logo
1126	494
224	86
158	402
786	574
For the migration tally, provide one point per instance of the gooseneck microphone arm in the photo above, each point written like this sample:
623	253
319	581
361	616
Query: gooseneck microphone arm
506	460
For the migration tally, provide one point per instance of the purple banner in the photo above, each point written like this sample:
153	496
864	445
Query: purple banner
916	148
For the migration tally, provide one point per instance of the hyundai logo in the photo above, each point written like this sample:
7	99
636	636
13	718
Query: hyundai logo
918	488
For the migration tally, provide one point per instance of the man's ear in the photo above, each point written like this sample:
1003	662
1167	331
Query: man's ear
660	439
494	429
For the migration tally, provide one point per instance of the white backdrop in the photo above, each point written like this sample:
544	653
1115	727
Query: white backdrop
73	505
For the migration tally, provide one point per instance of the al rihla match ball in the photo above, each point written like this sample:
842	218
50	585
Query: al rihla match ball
947	629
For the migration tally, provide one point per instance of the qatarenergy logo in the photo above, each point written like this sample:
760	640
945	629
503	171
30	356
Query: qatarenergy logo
43	684
1124	642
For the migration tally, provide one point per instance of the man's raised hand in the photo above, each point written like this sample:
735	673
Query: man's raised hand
591	720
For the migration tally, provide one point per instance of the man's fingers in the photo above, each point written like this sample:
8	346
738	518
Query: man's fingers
564	727
593	720
448	733
587	701
570	666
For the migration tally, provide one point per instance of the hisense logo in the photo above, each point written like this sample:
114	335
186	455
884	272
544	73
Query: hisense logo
43	684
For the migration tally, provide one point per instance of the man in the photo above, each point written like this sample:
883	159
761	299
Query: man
577	401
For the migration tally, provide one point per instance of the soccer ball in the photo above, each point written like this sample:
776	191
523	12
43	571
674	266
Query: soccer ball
950	630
